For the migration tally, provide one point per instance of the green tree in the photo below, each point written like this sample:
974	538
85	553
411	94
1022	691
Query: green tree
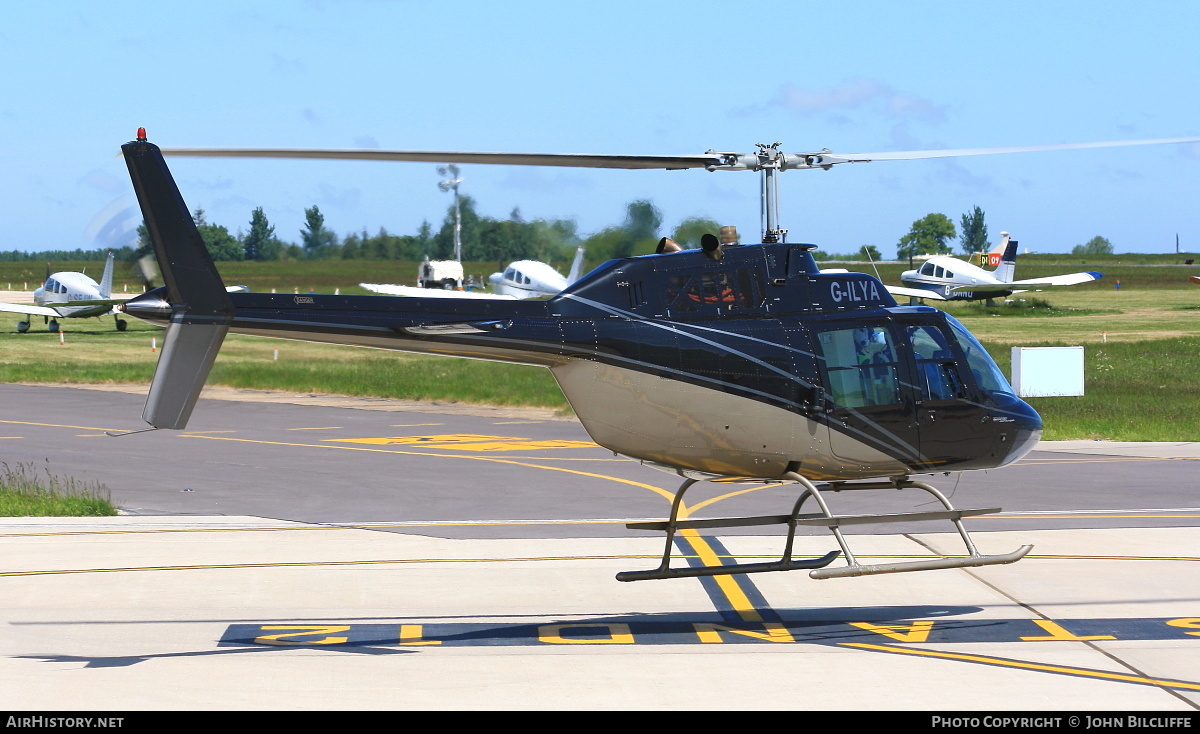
257	243
868	252
974	237
1095	246
220	244
317	239
443	241
637	235
690	230
927	236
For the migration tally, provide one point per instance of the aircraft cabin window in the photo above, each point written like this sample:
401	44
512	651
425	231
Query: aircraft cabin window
937	271
935	364
722	291
927	269
862	368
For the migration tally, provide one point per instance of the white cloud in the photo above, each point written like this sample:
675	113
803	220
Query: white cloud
858	94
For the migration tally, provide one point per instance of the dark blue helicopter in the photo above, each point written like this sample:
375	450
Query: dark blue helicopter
725	361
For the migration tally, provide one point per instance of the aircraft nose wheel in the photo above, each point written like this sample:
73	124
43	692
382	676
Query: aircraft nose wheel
22	327
122	324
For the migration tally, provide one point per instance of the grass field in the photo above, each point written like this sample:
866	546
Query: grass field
27	492
1142	353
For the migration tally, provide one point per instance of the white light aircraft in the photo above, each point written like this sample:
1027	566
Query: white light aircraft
945	278
520	280
70	295
535	279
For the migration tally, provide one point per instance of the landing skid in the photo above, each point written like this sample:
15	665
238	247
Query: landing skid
819	566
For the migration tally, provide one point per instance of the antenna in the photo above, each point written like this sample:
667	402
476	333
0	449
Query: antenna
867	252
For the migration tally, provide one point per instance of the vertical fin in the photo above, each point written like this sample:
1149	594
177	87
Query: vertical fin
201	309
1007	268
576	271
106	279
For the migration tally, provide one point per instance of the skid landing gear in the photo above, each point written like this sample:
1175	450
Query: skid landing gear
819	567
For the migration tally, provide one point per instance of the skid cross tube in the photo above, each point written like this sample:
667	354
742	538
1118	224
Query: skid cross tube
825	518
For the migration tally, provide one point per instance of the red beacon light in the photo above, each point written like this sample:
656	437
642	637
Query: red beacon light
141	135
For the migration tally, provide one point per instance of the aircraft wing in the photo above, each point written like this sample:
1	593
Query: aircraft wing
897	290
1036	283
30	309
414	292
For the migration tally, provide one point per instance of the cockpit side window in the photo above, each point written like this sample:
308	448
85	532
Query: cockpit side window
861	365
987	374
927	269
935	364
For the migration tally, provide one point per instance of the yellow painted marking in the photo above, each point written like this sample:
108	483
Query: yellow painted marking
729	495
300	630
657	490
12	437
516	423
1058	633
1189	623
59	425
203	432
470	442
728	584
414	425
618	634
317	428
915	632
313	564
442	439
515	445
414	634
772	632
1023	665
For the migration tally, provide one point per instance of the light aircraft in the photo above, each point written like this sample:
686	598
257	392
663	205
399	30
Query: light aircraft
742	362
70	295
535	279
521	279
945	278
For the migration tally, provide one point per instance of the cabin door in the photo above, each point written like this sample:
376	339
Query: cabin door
950	418
869	396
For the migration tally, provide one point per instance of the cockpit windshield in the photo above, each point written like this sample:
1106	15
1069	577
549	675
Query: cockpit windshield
987	374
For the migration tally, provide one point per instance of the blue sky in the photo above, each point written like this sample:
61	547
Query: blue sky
613	77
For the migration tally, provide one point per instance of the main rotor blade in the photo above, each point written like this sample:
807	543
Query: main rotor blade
908	155
668	162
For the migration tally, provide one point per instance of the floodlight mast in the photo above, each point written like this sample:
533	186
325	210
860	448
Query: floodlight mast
451	184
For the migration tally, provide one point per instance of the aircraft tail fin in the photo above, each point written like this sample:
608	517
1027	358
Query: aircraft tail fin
1007	268
106	279
200	307
576	271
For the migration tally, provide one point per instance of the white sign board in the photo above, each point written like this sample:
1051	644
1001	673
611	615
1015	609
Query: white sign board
1039	372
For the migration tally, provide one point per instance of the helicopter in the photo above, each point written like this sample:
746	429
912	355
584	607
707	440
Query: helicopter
733	362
